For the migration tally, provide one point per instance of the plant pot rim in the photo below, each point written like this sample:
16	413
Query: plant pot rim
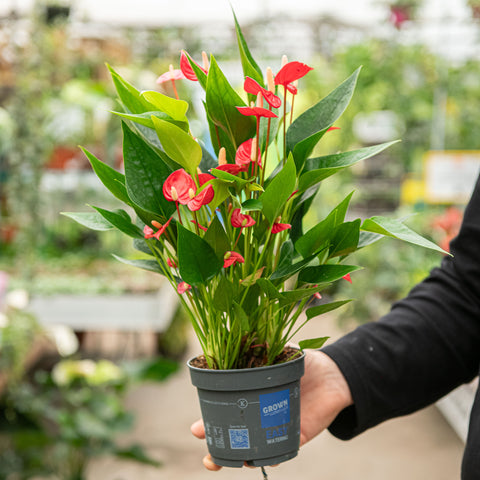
247	378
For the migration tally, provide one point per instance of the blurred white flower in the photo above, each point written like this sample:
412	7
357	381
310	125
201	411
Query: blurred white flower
17	299
64	338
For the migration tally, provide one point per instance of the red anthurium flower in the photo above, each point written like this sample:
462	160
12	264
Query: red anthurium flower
347	278
171	263
197	201
231	168
257	111
243	156
292	88
204	178
173	74
182	287
201	227
177	187
280	227
231	258
240	220
253	87
333	128
186	68
290	72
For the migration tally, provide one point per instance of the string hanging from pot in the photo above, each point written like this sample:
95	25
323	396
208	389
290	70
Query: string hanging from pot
265	476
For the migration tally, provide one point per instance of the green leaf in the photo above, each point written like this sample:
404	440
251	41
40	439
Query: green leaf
223	296
111	178
145	173
129	95
250	67
278	191
174	108
325	273
222	101
217	238
285	271
136	453
120	220
394	228
241	318
197	260
320	168
294	296
145	119
324	308
228	177
305	132
345	239
179	145
320	236
312	343
145	264
201	75
92	220
252	205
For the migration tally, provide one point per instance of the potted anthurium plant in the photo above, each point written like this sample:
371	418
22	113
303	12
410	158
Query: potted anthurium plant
224	227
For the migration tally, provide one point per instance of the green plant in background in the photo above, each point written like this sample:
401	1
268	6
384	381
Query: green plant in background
225	229
392	269
59	420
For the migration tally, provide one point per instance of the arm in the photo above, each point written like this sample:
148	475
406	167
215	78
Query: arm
426	346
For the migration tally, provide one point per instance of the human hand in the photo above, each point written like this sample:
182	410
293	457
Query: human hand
324	394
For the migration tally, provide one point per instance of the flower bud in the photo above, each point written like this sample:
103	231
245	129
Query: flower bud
284	60
254	152
174	194
270	80
172	71
191	193
259	99
156	224
222	156
205	61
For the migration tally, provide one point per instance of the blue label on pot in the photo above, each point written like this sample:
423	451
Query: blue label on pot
238	438
275	408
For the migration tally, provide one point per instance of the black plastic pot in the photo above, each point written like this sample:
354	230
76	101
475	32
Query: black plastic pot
251	415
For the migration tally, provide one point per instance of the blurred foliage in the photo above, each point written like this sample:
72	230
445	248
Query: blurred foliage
391	269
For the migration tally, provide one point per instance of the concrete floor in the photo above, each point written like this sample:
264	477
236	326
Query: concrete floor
419	446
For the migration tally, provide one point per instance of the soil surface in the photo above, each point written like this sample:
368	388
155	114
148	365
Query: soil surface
253	360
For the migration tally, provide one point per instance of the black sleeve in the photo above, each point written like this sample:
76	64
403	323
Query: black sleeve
428	344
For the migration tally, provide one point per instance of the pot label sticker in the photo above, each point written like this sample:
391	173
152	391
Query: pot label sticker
239	438
275	408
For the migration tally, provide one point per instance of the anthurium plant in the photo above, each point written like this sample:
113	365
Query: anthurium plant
224	225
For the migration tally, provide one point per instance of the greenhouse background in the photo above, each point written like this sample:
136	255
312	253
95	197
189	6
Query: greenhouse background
93	351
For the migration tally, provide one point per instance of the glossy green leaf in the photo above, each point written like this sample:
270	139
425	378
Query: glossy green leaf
345	239
325	273
121	221
223	296
325	308
145	173
179	145
92	220
250	67
222	101
314	343
319	236
129	95
145	264
252	205
145	119
278	191
197	260
305	132
201	75
111	178
320	168
394	228
174	108
217	238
